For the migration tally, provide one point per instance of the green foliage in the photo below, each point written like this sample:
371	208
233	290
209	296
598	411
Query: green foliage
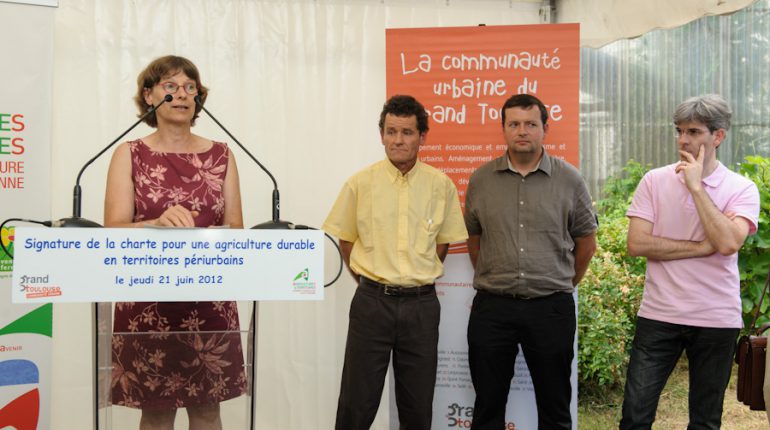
754	257
618	190
608	298
610	293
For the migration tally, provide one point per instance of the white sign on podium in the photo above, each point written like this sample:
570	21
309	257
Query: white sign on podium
149	264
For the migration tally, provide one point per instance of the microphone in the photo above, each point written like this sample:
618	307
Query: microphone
75	220
275	223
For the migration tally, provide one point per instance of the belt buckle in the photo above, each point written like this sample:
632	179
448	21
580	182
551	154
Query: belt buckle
390	290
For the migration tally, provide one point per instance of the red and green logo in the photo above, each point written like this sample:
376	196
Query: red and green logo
302	283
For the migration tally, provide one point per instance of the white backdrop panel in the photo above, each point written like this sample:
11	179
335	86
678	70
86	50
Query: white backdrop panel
301	83
25	117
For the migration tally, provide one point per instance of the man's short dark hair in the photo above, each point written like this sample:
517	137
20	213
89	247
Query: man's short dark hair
403	105
525	101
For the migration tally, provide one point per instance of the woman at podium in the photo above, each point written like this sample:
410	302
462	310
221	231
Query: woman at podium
167	356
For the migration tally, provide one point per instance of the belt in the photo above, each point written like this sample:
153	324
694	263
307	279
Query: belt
398	290
503	294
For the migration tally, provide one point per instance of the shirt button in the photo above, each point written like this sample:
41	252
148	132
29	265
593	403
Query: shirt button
521	225
522	274
521	202
521	249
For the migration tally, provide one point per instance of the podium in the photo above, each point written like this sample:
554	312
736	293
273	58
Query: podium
113	267
236	413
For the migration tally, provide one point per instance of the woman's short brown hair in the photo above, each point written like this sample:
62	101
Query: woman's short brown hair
165	67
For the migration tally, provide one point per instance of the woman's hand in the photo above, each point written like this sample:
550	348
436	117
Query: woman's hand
177	216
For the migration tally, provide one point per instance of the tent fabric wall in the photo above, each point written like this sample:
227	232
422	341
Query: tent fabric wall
301	83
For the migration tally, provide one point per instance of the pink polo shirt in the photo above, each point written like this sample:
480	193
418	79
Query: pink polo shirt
703	291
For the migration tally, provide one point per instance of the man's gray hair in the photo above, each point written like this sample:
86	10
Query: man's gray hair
711	110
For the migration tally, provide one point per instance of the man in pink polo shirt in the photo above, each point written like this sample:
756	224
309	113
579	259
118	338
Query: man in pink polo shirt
689	219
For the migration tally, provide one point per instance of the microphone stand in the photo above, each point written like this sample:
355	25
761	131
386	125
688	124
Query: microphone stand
275	223
75	220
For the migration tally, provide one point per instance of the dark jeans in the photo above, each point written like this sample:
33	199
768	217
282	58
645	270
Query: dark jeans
545	329
656	349
379	325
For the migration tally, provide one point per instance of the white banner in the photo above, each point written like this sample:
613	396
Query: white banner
25	162
454	396
149	264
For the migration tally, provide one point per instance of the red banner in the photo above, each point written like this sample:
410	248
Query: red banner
464	74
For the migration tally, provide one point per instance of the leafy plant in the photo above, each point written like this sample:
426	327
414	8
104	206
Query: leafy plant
754	256
610	294
608	298
619	190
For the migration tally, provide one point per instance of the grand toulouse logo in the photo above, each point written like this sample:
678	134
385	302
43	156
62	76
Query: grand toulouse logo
461	417
302	283
35	287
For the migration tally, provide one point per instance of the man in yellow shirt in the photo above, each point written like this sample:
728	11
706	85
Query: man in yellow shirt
394	220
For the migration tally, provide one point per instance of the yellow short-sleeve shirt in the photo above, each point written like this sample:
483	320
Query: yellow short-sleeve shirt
395	222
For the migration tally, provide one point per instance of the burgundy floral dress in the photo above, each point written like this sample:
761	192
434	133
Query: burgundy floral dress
164	355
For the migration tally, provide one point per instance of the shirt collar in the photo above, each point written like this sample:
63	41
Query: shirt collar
545	163
717	176
396	174
712	181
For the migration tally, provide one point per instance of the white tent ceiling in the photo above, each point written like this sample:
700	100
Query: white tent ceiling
604	21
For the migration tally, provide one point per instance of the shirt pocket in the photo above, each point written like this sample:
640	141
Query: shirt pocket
425	237
430	222
365	235
548	225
